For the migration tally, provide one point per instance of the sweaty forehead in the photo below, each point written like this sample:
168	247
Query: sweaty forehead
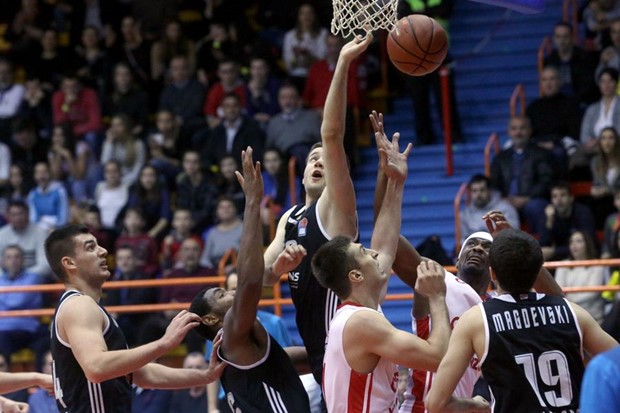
485	243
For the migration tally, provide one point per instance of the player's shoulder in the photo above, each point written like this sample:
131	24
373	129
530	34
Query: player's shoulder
457	289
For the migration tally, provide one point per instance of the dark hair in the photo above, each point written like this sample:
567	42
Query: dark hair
201	307
15	247
332	263
232	95
60	243
613	73
18	203
516	259
564	24
23	125
313	147
591	252
477	178
561	185
126	247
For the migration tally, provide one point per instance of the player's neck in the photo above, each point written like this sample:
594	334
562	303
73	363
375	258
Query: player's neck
93	292
364	300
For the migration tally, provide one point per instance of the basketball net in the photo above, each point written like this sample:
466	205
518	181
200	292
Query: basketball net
360	17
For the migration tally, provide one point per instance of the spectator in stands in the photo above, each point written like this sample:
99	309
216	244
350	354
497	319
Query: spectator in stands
230	81
575	65
193	399
144	246
612	225
127	98
276	186
134	51
261	92
15	189
111	194
214	48
303	45
233	134
294	130
182	226
317	84
27	149
20	231
91	219
11	95
92	60
555	118
610	56
582	248
605	167
226	234
598	16
189	266
522	174
602	114
150	194
48	201
172	43
42	401
78	107
227	183
195	192
73	164
26	28
184	96
122	145
563	216
164	146
127	270
482	199
50	62
152	15
17	333
37	107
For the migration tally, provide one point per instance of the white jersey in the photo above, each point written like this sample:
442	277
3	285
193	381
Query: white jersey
347	391
460	297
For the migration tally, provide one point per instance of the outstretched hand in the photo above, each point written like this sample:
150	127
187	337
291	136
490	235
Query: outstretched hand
355	47
179	327
391	160
251	181
289	259
496	222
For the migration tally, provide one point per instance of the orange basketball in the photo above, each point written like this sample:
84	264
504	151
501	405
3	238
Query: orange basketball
417	45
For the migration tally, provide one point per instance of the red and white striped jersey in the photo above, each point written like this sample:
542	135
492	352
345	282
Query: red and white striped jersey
460	297
347	391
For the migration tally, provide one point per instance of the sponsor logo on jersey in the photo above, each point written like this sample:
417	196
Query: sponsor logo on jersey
301	227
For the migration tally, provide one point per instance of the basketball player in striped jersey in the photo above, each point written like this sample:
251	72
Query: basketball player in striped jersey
92	367
464	290
530	345
363	349
329	210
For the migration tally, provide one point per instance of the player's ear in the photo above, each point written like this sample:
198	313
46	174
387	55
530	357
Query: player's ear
68	262
355	276
493	277
210	319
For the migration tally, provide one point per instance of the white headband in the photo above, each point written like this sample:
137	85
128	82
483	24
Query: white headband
480	234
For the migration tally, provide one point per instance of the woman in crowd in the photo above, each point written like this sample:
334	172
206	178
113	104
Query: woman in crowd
150	194
111	194
92	60
605	167
127	98
121	145
164	146
582	248
226	234
173	43
601	114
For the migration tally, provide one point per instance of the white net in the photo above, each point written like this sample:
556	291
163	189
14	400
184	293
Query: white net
352	17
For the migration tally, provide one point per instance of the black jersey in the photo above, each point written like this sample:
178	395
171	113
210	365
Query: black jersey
269	385
315	306
74	392
533	357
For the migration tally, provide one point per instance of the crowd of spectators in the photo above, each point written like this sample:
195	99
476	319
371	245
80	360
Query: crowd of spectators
129	116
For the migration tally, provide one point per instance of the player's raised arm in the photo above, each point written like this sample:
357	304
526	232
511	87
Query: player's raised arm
337	207
407	257
239	321
387	228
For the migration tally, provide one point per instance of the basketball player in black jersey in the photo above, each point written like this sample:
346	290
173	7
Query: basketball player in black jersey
530	345
259	377
329	210
92	367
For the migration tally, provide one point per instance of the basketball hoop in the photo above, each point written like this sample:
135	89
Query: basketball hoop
360	17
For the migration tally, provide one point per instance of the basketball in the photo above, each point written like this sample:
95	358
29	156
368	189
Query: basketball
417	45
